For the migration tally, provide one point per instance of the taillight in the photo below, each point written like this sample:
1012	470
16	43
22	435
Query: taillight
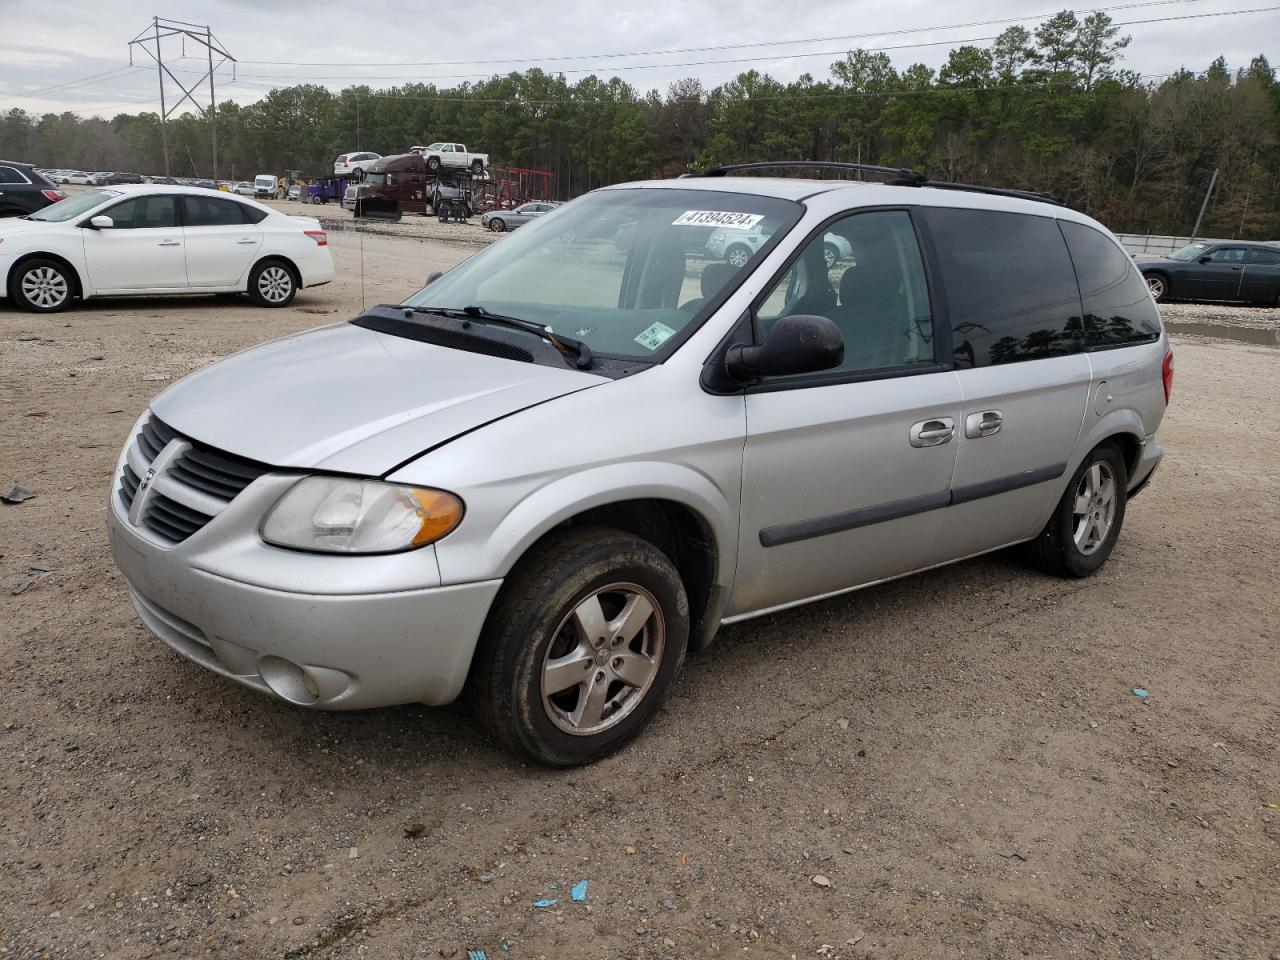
1166	371
318	236
54	195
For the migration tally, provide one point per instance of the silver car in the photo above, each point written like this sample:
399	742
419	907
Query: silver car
500	220
543	479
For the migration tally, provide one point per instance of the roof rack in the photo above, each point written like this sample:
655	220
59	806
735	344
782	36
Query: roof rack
897	177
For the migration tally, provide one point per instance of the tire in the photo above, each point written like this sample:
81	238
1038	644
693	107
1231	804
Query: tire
539	619
497	225
433	163
1072	543
41	285
477	168
737	255
830	255
1158	284
272	283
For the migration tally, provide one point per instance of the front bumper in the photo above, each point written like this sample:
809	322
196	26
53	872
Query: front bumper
296	633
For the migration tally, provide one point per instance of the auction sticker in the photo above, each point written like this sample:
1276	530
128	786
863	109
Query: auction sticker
717	218
655	336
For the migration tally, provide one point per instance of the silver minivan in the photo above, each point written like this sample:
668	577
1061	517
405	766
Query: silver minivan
548	475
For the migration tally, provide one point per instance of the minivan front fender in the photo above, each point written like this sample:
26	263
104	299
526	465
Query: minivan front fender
484	556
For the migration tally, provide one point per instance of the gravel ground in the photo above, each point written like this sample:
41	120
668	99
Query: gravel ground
958	756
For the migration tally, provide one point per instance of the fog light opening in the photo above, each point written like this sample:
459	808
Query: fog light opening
289	681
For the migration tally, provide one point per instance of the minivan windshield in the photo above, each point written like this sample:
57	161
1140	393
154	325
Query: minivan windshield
625	271
72	207
1189	252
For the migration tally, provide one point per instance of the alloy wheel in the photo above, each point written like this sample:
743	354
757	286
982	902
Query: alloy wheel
1094	511
275	284
603	659
1156	286
45	287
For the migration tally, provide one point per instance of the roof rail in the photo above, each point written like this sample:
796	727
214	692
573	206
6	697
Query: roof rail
901	175
897	177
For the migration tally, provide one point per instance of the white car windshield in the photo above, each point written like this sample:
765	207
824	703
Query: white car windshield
624	271
73	207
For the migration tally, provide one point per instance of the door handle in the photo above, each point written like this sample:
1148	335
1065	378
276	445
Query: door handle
246	240
931	433
984	424
168	243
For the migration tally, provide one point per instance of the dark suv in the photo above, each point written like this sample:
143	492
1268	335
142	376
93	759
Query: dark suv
24	191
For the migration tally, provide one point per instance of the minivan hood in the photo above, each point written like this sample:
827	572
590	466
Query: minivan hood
352	400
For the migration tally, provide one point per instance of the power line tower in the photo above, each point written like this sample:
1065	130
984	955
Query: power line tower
162	28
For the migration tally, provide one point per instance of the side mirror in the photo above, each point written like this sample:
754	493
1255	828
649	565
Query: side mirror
102	222
799	344
433	276
1205	259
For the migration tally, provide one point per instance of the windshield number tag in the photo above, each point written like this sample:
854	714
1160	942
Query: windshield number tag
717	218
655	336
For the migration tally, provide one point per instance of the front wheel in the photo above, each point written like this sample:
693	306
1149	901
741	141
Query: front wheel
1086	524
738	255
830	254
1158	286
433	163
272	284
477	168
497	225
581	647
42	285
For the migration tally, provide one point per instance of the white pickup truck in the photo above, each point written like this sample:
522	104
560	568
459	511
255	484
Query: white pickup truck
453	155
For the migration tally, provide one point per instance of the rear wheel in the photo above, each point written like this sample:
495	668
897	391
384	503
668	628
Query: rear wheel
272	284
1086	524
738	255
42	285
581	647
1158	284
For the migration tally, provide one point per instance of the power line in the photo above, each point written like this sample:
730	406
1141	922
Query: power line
702	63
106	74
727	46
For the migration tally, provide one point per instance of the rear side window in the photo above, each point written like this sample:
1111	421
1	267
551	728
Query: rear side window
211	212
1262	257
10	175
1010	286
1117	307
252	214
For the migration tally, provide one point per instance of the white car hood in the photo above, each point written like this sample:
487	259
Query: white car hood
12	226
352	400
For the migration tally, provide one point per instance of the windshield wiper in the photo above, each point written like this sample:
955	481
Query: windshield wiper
582	356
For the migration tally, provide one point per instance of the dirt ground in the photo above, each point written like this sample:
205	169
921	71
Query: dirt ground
960	755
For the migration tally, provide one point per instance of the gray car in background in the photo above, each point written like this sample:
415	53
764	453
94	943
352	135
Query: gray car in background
500	220
543	479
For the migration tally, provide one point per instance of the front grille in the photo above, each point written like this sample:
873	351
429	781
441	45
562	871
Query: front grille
194	488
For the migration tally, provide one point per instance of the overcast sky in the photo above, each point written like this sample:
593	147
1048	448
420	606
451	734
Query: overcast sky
57	43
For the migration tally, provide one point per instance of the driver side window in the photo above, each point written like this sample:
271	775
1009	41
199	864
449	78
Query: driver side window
865	274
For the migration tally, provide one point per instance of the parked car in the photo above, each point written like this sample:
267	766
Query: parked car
295	191
1237	270
149	239
440	156
354	164
399	508
500	220
23	191
737	246
112	179
243	189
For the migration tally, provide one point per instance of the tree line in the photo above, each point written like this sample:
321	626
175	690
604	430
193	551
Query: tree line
1043	109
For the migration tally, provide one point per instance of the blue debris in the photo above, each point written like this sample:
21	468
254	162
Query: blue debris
1141	692
544	904
579	892
477	955
506	946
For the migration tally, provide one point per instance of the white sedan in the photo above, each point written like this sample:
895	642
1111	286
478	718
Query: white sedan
133	240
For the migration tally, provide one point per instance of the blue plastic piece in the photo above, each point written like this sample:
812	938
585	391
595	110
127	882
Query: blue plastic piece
579	892
1140	692
544	904
477	955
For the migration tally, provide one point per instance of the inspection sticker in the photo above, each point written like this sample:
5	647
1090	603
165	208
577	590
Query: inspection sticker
717	218
655	336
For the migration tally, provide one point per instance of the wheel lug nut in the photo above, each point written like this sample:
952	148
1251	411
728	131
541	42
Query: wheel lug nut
617	662
600	675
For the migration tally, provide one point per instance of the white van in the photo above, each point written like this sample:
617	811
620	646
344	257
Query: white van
266	185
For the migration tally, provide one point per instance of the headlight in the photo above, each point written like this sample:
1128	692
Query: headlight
343	515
